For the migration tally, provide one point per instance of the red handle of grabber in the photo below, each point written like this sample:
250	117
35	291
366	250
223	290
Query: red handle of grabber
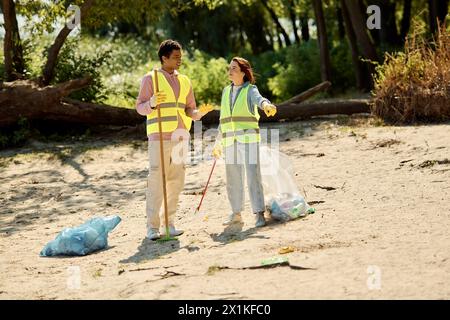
206	187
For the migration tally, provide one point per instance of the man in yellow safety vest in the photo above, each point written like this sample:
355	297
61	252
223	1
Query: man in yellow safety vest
178	108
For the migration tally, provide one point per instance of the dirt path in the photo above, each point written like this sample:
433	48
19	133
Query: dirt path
381	233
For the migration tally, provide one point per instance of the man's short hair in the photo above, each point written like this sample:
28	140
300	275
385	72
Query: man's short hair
166	47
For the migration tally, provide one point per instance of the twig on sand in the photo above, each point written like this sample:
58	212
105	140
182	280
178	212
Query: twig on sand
324	187
150	268
430	163
215	268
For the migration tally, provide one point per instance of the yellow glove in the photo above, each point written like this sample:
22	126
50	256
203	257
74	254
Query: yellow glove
205	108
157	98
269	109
217	151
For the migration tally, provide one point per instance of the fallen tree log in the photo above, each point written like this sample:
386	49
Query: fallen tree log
295	108
25	98
295	111
306	94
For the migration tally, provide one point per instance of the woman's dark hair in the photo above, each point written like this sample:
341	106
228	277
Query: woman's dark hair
246	68
166	47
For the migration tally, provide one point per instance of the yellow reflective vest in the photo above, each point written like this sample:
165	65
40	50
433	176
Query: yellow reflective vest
172	108
240	124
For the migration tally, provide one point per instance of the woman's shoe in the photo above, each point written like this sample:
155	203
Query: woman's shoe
260	220
233	218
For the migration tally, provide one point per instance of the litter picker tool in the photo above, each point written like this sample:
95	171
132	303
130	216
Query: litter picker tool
167	237
206	187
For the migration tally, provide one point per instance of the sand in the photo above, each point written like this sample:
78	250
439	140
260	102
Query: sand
382	232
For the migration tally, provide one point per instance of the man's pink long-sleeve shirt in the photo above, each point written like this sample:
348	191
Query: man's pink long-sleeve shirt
146	92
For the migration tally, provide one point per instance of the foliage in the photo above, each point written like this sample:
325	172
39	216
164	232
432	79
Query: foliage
415	85
73	65
208	76
301	71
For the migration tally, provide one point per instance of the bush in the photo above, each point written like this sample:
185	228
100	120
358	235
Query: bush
301	72
131	59
342	70
298	68
72	64
208	75
415	85
263	67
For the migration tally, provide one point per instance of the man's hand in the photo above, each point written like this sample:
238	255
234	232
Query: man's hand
157	98
217	151
269	109
205	108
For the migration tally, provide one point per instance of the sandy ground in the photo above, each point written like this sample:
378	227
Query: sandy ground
382	233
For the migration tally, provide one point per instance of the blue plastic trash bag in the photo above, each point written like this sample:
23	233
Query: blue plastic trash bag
82	240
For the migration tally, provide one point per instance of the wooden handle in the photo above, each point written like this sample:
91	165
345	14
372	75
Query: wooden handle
161	150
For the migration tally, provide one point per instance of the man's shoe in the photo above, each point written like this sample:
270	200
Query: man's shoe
260	220
172	232
233	218
153	234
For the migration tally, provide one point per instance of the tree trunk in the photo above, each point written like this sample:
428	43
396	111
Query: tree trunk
442	10
53	51
274	17
279	40
253	25
14	63
304	28
293	17
325	64
298	111
437	10
358	66
306	94
362	37
295	108
406	19
388	33
359	26
269	34
340	20
24	98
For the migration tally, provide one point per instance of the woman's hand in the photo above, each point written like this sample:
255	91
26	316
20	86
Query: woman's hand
269	109
217	151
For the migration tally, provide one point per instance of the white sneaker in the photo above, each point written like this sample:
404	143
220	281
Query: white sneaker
233	218
153	234
172	232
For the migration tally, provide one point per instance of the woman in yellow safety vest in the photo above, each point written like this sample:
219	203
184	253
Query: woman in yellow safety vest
240	139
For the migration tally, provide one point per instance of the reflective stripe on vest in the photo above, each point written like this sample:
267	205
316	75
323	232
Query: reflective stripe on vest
171	109
241	119
163	119
240	124
240	132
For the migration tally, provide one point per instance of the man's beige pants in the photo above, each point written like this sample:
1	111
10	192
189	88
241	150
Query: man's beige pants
174	163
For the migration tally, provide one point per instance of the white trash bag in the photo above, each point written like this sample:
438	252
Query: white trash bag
283	200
